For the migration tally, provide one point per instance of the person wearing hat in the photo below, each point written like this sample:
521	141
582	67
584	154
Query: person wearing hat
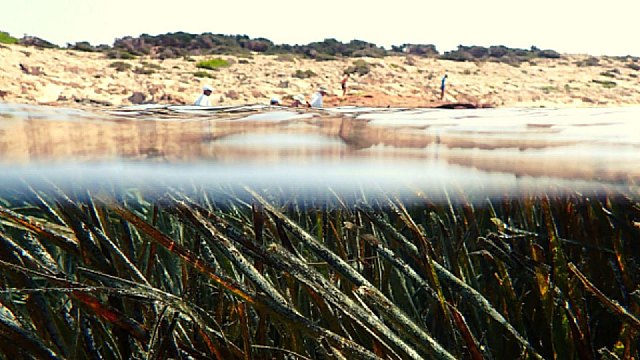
203	99
275	102
298	100
316	98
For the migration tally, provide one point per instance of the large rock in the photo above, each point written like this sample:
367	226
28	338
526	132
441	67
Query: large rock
172	99
156	89
137	98
37	42
232	94
49	93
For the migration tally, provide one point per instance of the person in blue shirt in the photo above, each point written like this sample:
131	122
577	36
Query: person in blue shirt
444	78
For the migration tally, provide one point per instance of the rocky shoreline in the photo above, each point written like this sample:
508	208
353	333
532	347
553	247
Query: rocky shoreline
71	78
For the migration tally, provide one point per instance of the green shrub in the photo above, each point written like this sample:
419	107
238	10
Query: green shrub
82	46
285	57
325	57
359	67
300	74
230	51
124	55
144	71
127	55
633	66
120	65
202	74
547	89
5	38
549	54
373	52
605	83
213	64
592	61
423	50
151	65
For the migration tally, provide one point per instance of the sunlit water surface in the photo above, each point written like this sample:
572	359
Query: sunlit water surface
412	152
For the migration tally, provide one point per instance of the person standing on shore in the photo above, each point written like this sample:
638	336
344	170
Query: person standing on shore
316	98
203	99
444	78
343	83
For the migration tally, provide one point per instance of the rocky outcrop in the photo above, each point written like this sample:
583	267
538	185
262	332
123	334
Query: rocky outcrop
37	42
137	98
232	94
71	78
31	70
416	49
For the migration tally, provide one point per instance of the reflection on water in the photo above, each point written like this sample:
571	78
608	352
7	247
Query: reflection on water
505	149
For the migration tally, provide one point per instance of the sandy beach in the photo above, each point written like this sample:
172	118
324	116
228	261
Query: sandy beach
62	77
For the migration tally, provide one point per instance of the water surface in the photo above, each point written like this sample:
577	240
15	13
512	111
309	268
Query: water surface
487	151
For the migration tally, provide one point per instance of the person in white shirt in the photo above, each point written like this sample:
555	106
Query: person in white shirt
203	99
316	98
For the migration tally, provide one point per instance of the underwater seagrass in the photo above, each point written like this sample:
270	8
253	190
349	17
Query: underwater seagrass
249	273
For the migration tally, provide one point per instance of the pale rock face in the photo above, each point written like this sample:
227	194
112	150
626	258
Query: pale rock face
232	94
48	93
69	78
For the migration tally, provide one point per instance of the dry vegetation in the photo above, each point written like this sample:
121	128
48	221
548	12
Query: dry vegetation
492	76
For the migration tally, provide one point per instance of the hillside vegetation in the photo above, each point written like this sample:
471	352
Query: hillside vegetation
181	44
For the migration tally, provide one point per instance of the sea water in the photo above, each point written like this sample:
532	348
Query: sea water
483	151
118	224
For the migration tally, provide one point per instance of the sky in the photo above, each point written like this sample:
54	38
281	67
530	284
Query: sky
567	26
